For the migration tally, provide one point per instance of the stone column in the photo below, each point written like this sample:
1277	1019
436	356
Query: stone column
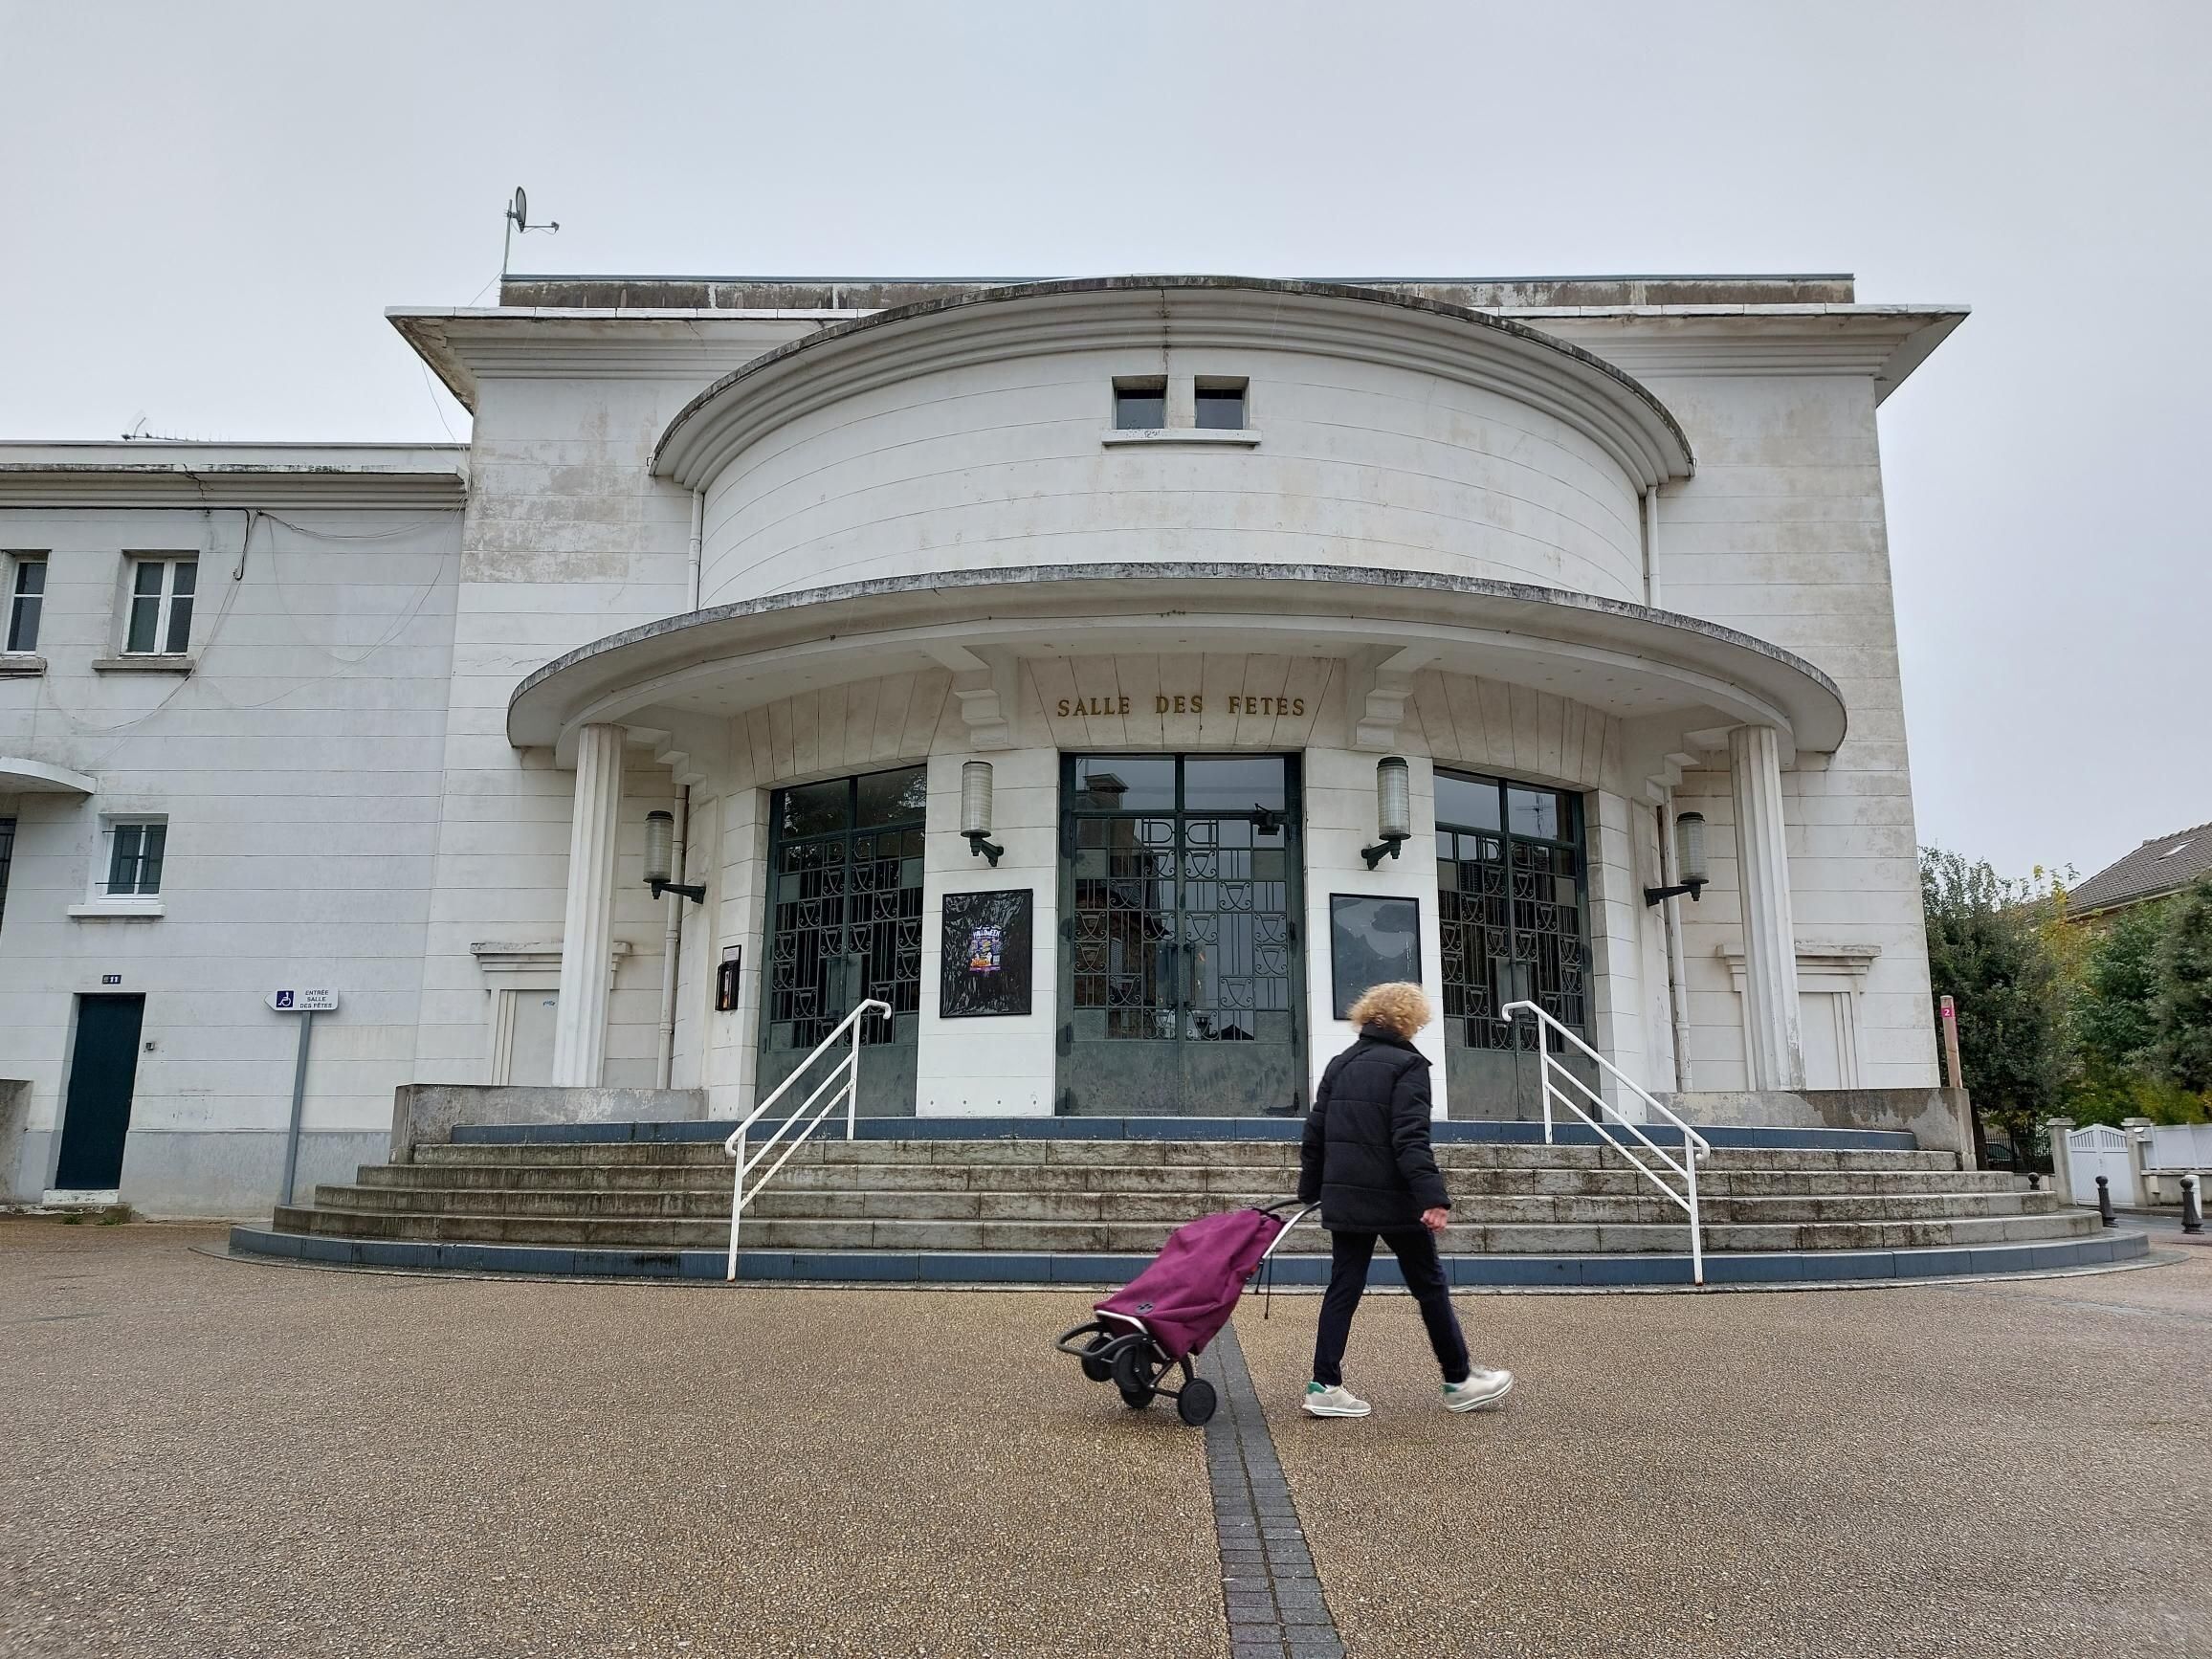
588	926
2055	1131
1770	976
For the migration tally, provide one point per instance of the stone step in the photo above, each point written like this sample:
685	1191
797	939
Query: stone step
1070	1274
1136	1153
1646	1205
1141	1179
1145	1237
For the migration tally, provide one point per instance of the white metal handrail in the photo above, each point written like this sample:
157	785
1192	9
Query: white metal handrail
1694	1146
841	1083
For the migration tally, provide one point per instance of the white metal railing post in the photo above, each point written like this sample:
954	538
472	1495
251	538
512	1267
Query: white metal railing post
736	1206
852	1083
1696	1233
845	1071
1544	1076
1694	1146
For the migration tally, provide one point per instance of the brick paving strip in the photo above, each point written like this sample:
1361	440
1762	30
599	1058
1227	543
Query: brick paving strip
1273	1601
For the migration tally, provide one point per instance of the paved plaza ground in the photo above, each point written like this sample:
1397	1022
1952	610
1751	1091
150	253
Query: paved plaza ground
213	1457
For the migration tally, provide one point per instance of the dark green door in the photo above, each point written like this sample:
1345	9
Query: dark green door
1511	913
845	924
95	1114
1181	981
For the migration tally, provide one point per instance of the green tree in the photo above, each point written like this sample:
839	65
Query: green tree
2182	1014
2113	1017
1989	948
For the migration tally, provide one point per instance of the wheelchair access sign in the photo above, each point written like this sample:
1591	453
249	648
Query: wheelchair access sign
297	1002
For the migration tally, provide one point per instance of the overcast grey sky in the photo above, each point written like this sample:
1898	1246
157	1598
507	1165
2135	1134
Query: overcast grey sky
207	207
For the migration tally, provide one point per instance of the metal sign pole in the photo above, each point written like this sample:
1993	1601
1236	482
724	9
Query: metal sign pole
299	1094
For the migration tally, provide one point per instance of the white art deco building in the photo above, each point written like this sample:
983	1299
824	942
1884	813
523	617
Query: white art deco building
1270	637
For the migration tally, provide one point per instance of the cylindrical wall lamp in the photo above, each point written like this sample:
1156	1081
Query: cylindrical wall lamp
974	810
660	858
1393	809
1688	860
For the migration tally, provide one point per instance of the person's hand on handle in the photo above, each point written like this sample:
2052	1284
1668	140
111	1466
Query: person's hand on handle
1436	1219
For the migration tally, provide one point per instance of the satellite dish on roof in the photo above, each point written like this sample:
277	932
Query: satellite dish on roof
518	219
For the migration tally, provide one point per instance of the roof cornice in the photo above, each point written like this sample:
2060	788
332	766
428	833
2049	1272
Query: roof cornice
1881	342
846	358
465	346
155	473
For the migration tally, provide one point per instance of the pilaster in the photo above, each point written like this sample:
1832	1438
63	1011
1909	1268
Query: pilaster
588	924
1770	984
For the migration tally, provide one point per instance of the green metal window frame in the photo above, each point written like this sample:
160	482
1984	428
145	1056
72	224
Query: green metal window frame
162	592
900	952
135	853
26	600
1181	813
1562	983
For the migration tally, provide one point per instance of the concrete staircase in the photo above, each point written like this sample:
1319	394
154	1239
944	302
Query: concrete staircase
1120	1198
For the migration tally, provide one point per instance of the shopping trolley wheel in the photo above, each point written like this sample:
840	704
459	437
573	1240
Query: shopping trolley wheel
1134	1376
1197	1402
1097	1369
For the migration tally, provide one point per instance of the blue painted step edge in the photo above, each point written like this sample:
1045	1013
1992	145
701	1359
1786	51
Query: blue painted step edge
1735	1136
1015	1267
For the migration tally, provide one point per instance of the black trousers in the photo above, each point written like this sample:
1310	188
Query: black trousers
1350	1254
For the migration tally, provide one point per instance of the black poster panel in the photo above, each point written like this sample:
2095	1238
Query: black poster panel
987	954
1372	942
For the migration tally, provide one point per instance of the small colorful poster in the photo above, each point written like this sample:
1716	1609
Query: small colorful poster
986	949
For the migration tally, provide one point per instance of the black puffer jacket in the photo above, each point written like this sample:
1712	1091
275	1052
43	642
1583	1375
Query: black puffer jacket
1367	1155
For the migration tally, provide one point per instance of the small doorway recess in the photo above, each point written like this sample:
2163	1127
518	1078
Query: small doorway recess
96	1112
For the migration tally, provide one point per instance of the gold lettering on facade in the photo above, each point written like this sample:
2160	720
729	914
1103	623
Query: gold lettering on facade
1092	706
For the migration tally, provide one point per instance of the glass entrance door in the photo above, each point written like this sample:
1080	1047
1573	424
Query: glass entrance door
844	924
1511	908
1181	979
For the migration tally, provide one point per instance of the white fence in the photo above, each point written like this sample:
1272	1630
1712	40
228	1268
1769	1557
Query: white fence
2182	1147
2100	1149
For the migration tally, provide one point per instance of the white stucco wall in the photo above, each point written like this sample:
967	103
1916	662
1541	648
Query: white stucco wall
299	768
1781	534
1005	464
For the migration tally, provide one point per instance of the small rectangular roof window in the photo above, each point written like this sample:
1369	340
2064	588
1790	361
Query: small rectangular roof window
1139	405
1221	404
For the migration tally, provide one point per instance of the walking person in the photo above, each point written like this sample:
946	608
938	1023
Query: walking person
1367	1161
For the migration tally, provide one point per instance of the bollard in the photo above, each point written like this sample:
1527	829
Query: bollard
2192	1206
2105	1201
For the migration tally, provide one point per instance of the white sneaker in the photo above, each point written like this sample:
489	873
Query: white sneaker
1481	1388
1336	1401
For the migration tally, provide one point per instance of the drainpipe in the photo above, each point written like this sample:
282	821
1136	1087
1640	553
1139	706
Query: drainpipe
697	541
1677	976
672	946
1652	548
672	930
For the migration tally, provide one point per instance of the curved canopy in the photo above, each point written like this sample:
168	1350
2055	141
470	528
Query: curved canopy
1612	409
1625	659
25	776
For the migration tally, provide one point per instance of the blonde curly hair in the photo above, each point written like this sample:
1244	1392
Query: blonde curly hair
1401	1004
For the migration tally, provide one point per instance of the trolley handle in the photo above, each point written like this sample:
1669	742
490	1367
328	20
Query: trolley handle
1285	1234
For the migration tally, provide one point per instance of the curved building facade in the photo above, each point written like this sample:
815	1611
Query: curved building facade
1110	677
